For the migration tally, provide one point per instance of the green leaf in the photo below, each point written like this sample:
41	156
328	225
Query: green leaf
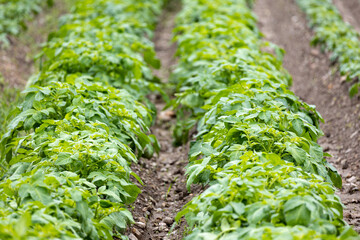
22	226
354	89
298	126
296	212
63	159
150	58
238	207
41	194
297	153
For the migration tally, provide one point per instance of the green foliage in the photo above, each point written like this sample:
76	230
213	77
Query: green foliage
256	141
9	98
336	36
15	13
65	158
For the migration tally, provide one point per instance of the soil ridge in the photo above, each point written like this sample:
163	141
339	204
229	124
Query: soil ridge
316	81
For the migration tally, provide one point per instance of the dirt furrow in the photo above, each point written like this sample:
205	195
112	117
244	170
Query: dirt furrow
350	11
164	192
316	82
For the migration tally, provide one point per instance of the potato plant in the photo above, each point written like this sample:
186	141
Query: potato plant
15	13
256	141
335	36
65	158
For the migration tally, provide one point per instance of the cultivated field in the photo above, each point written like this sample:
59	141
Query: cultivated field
170	119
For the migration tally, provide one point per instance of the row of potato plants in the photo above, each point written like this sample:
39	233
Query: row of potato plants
256	141
65	159
15	13
336	36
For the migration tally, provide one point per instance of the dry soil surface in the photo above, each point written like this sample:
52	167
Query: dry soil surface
317	82
164	192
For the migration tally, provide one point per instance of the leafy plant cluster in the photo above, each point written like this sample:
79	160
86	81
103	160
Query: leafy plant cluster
15	13
256	141
336	36
9	98
65	159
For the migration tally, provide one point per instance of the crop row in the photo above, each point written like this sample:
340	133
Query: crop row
256	141
65	159
336	36
14	14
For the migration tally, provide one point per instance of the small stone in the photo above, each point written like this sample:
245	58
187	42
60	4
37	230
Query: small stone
315	52
132	237
345	165
348	150
352	179
326	147
166	115
152	199
168	220
136	232
140	224
294	19
354	134
343	79
162	226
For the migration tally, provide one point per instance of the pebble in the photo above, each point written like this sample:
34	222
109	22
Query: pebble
352	179
136	232
345	165
140	224
354	134
343	79
326	147
167	115
315	52
132	237
152	199
168	221
162	226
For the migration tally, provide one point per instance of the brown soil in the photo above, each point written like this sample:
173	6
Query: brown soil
350	11
16	61
317	82
164	192
164	46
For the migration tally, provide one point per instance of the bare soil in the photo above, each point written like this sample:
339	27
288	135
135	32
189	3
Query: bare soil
164	192
317	82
